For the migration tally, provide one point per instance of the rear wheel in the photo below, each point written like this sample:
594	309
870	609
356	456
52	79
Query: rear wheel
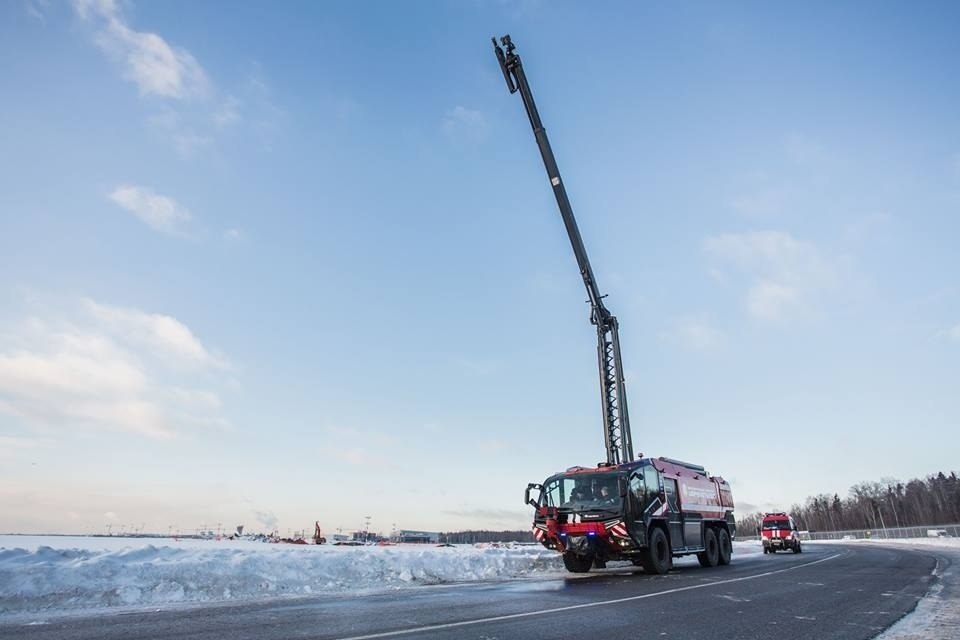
577	564
656	559
710	555
726	547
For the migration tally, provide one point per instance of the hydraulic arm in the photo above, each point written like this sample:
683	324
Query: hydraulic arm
616	420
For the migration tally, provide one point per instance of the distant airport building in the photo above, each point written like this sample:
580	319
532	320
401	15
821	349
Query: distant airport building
425	537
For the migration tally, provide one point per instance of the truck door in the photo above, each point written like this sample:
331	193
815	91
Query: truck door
638	501
674	516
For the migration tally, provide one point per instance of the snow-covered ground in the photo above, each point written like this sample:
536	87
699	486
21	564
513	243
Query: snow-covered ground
61	575
57	574
68	573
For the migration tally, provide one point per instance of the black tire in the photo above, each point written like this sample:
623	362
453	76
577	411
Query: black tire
796	547
710	556
766	551
577	564
657	557
726	547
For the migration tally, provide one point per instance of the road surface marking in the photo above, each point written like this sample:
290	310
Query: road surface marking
602	603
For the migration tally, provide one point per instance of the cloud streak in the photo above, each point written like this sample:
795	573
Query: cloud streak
149	61
160	213
191	112
786	275
694	333
461	122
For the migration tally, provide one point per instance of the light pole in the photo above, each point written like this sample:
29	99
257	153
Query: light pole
366	529
883	526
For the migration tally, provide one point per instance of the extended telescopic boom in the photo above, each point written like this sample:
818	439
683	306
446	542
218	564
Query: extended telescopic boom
616	420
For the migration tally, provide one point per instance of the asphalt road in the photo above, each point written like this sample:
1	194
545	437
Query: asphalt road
828	591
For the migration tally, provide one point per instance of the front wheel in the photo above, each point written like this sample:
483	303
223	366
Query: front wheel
577	564
726	547
656	559
710	555
796	548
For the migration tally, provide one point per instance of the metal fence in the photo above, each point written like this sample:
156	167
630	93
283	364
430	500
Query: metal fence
928	531
933	530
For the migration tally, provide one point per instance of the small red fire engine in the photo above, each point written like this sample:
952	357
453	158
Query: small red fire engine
779	533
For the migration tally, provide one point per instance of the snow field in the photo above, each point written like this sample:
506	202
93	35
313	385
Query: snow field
84	573
56	574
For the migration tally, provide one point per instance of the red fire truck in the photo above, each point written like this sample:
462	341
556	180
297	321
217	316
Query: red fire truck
644	510
779	533
647	511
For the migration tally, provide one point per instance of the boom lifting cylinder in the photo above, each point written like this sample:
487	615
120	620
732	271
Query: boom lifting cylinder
616	419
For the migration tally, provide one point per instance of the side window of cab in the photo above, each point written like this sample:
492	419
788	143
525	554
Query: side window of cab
638	492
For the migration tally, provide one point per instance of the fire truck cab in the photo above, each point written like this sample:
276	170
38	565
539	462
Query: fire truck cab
647	511
779	533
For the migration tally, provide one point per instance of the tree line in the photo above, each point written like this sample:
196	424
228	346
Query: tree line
933	500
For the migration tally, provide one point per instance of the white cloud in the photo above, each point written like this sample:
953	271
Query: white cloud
954	333
786	275
156	67
159	212
773	300
37	9
694	333
107	368
227	114
465	123
165	336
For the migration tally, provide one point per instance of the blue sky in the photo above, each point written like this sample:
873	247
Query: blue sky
267	265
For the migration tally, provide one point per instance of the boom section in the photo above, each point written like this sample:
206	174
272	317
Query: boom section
616	419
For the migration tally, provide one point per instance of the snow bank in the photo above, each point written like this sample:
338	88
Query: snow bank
66	574
80	573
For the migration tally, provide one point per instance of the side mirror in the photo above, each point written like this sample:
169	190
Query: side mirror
526	494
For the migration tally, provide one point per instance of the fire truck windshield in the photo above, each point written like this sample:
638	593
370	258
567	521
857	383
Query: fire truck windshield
583	492
776	524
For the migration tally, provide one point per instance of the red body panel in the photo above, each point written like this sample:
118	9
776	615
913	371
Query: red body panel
709	496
